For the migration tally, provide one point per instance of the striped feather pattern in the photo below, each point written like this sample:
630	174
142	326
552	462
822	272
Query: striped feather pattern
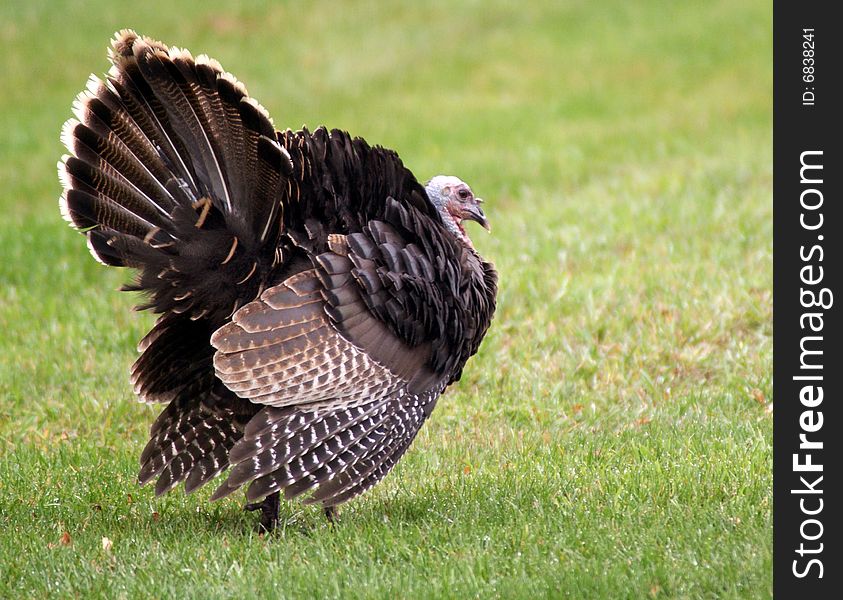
173	169
282	350
336	453
361	474
191	439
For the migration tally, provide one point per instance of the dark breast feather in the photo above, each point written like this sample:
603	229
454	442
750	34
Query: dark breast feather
411	273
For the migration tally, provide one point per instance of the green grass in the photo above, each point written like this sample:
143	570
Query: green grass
613	437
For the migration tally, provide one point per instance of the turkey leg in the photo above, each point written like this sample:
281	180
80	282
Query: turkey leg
269	511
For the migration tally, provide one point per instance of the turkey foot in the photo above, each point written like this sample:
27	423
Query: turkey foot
269	512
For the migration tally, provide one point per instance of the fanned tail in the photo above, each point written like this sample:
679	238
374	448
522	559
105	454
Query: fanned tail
174	170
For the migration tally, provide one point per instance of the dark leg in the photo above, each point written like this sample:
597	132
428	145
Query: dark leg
269	511
330	514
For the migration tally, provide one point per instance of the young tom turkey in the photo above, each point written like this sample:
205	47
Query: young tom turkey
315	299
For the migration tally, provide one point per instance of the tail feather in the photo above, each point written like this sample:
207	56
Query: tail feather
175	170
175	356
103	246
166	73
90	210
141	102
119	162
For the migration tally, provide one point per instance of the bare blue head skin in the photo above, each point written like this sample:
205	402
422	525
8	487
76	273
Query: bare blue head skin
456	203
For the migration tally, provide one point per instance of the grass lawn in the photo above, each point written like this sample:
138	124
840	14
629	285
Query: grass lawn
612	438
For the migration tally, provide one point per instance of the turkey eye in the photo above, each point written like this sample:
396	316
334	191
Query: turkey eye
463	194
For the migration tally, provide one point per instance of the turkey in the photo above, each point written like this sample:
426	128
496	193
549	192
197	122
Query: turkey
314	298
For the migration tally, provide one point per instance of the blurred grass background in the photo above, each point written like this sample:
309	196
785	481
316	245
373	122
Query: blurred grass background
613	437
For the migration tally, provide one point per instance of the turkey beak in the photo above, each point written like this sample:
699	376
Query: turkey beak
473	212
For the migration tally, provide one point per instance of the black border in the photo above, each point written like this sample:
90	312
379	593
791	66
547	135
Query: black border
798	128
